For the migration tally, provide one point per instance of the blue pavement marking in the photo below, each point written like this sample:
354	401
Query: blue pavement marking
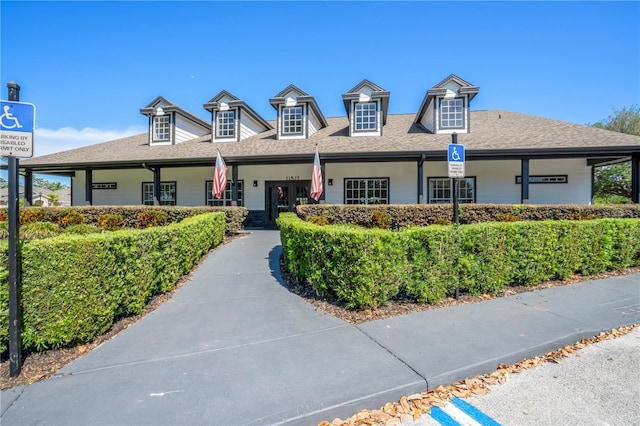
443	418
458	412
474	413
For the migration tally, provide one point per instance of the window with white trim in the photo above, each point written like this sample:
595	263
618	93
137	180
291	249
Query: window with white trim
292	120
167	193
227	196
440	190
226	124
161	128
366	191
365	116
451	113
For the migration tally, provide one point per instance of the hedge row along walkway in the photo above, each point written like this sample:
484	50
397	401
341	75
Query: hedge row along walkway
233	346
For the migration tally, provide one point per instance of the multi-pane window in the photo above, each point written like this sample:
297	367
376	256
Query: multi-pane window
292	120
440	190
452	113
161	128
226	125
227	197
366	191
167	193
365	116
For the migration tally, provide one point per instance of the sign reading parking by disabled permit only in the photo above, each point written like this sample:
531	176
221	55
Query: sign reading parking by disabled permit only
455	160
17	123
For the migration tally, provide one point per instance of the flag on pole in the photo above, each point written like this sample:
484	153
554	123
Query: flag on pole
219	178
316	178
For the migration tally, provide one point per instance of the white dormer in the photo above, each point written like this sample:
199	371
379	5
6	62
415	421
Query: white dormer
299	116
233	120
169	124
366	105
445	107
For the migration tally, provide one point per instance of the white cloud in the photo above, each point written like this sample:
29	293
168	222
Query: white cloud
48	141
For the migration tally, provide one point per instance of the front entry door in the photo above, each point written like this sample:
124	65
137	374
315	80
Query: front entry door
284	196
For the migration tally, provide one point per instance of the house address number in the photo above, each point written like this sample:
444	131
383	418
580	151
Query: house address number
293	178
104	185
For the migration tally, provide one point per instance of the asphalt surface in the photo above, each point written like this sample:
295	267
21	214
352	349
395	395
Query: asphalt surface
233	346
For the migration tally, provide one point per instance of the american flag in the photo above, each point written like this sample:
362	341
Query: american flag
219	178
316	178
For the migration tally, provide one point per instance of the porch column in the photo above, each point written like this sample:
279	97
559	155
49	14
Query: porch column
635	178
88	187
421	180
324	182
156	186
234	185
524	189
593	184
28	188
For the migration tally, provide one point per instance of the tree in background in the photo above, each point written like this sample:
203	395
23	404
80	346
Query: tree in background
51	186
613	182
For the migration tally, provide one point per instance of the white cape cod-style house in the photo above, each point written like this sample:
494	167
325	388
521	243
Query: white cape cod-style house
368	156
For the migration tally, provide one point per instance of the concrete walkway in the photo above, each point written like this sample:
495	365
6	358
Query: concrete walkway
233	346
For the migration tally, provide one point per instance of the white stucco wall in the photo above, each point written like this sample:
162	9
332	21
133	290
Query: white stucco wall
403	179
495	181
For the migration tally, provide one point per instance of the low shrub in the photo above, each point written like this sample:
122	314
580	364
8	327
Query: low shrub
318	220
4	230
75	287
71	217
39	230
32	215
380	220
404	215
82	229
111	221
235	216
149	218
364	268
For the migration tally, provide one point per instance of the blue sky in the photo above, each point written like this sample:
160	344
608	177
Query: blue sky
90	66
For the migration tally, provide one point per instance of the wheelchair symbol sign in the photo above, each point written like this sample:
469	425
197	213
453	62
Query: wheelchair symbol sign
456	153
17	122
17	116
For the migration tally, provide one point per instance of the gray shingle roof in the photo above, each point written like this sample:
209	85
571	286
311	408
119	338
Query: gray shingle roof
493	134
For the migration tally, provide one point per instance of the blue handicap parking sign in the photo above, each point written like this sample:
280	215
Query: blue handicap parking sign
456	153
17	116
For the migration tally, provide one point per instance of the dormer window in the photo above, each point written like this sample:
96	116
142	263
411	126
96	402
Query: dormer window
232	119
299	116
170	125
452	113
366	105
161	128
365	114
292	120
226	124
445	107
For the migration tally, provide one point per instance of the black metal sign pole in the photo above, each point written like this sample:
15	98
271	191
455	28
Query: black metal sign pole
15	340
456	220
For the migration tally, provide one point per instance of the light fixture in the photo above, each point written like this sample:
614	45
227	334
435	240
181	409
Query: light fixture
255	183
330	182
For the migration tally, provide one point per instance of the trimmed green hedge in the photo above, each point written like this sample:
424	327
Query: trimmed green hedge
74	287
367	267
130	215
403	215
